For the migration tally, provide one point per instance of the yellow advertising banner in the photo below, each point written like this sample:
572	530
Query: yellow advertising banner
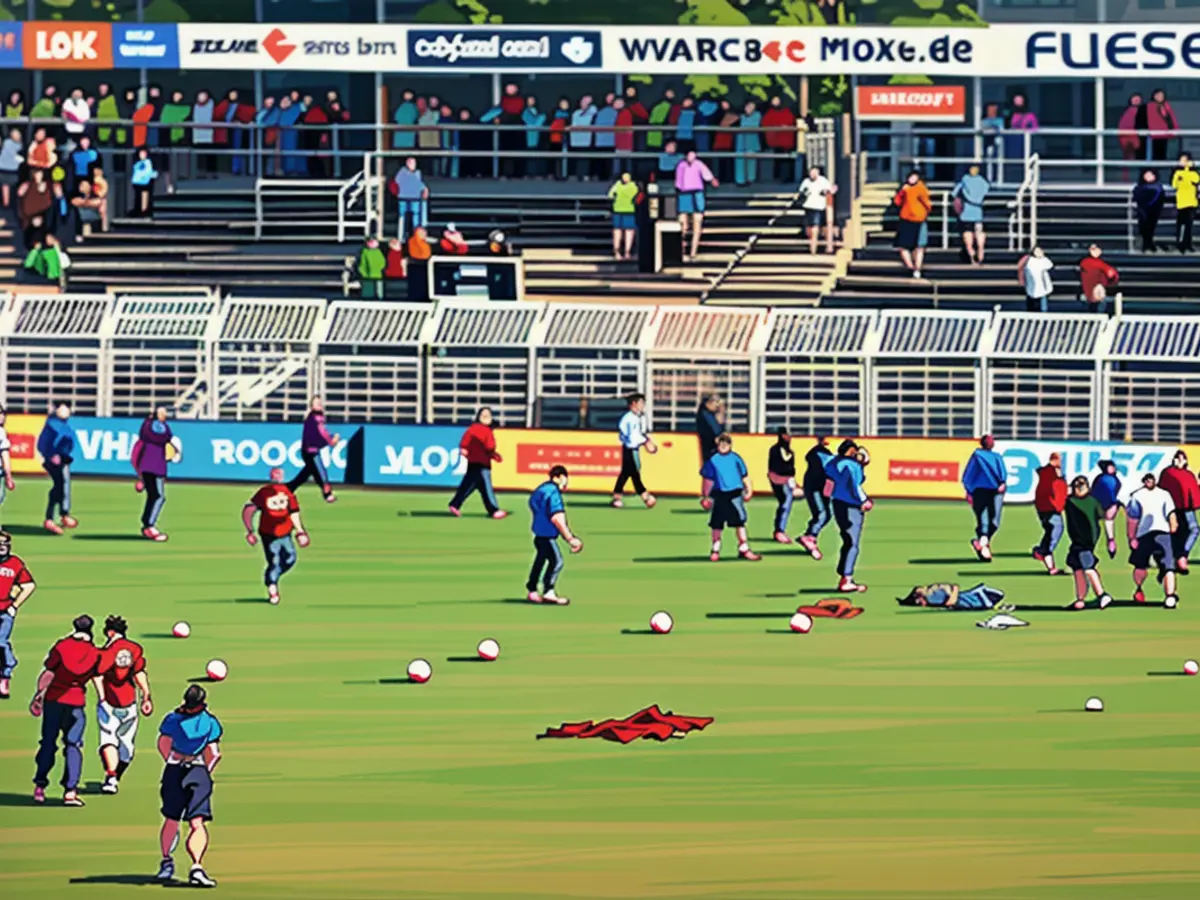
900	467
23	433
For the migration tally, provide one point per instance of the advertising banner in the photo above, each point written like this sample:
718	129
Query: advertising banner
67	45
12	54
489	49
145	46
413	455
23	433
946	103
308	47
1022	459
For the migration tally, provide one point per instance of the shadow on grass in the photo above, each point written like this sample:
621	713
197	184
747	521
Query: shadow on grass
691	512
109	538
828	592
782	631
128	880
404	680
1168	674
945	561
203	679
780	596
787	614
157	636
638	631
467	659
1053	712
29	531
1020	573
671	559
7	799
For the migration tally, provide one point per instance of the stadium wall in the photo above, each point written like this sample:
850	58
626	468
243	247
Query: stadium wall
417	456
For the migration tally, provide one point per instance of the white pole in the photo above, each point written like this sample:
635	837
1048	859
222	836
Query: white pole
1099	101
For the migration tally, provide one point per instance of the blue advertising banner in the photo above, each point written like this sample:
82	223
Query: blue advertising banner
1022	459
12	55
212	451
489	49
412	455
145	46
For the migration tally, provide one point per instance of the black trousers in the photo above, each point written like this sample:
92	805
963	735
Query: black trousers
630	470
1184	221
1147	224
548	556
313	468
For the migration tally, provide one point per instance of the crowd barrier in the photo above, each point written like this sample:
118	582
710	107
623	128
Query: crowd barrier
427	456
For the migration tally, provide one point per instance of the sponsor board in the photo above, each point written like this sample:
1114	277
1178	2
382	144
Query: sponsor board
67	45
413	455
330	48
12	54
1023	458
23	433
145	46
944	103
488	49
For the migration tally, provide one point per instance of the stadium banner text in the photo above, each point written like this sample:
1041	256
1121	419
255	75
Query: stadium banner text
997	51
412	455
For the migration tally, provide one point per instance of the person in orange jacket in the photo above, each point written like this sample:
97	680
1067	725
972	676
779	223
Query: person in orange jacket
1050	499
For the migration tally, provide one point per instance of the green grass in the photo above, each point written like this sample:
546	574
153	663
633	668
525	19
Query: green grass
903	755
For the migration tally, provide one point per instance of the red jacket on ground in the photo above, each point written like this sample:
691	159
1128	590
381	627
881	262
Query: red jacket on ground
479	445
1051	492
1093	271
784	120
1181	484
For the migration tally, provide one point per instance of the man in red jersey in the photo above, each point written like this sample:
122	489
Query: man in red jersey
16	586
60	699
121	673
1180	482
478	446
278	515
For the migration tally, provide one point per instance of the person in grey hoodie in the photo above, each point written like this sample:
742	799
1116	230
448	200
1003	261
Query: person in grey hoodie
203	138
11	158
149	459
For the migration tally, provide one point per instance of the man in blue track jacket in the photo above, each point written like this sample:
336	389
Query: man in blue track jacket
985	480
56	444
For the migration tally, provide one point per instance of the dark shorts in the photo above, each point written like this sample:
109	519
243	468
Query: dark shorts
186	793
1156	547
1080	559
911	235
624	221
729	510
814	218
969	227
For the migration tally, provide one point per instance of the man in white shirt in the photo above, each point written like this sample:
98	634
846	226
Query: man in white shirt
1151	519
814	193
76	114
633	434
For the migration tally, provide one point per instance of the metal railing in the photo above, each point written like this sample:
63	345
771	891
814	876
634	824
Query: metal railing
1022	227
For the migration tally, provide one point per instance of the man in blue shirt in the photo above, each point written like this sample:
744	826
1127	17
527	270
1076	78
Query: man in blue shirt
1106	488
844	485
56	444
189	741
410	190
727	487
985	479
814	492
549	522
634	435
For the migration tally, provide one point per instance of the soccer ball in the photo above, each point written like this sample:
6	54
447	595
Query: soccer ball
1094	704
801	623
1191	667
488	650
181	629
1171	602
217	670
174	450
661	623
420	671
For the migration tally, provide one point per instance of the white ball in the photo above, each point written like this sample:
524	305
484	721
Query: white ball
181	629
488	649
420	671
661	623
217	670
1094	704
1171	602
1191	667
801	623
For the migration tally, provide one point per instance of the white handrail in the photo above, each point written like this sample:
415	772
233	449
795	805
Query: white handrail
344	202
945	220
1017	238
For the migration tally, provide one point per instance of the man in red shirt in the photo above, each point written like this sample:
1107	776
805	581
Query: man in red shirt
119	676
1050	499
779	122
16	586
478	447
60	699
278	515
1096	278
1180	482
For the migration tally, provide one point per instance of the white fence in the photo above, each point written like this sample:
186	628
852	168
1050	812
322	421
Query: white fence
893	373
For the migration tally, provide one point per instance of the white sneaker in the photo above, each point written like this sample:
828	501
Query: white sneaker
110	785
916	273
200	878
551	597
273	595
1105	601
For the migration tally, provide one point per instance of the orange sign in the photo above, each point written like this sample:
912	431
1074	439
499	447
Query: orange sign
67	45
915	470
947	103
534	457
23	433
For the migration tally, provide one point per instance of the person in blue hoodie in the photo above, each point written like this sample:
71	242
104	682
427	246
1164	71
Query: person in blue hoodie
405	135
685	126
56	444
985	479
1106	488
844	483
815	460
535	123
290	112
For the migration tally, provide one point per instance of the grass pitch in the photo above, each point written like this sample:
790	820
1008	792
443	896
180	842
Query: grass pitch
902	755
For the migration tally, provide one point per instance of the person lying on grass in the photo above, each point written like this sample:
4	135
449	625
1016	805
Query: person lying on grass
951	596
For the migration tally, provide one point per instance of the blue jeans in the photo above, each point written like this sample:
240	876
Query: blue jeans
1052	532
60	489
156	498
1189	531
8	659
418	209
783	494
988	505
850	523
69	722
281	556
549	557
821	508
477	478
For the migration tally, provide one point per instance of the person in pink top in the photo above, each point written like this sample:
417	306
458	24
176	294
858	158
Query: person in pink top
1161	122
1129	134
691	176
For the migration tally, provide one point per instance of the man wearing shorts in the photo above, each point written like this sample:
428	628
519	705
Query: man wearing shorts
969	196
1084	513
1151	524
727	485
813	193
624	194
189	742
119	677
691	176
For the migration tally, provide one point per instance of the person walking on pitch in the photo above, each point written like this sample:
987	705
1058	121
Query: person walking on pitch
727	487
985	481
278	516
1050	499
56	444
478	445
120	674
819	504
1180	482
314	438
149	459
6	478
781	472
549	523
634	435
1106	488
845	476
16	586
1084	514
1151	524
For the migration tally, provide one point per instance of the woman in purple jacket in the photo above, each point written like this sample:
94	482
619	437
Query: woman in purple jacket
150	461
316	437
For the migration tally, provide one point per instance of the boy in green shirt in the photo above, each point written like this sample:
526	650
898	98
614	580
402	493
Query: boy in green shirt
371	263
624	194
1085	517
